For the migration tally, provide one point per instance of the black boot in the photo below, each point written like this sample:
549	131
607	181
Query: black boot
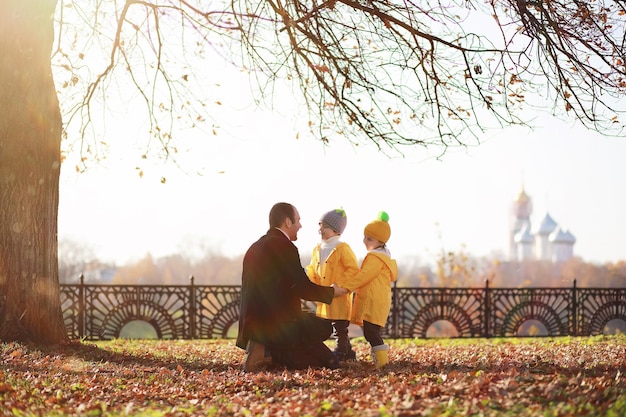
344	355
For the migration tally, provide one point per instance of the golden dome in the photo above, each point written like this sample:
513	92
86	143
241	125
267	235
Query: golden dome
522	197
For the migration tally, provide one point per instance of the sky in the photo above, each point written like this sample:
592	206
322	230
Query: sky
219	198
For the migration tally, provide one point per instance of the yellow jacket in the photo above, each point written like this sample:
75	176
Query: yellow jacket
339	268
372	299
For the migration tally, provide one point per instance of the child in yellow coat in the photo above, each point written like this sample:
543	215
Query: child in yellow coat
372	299
333	263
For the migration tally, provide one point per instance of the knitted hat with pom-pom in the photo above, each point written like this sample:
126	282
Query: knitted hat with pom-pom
336	220
379	229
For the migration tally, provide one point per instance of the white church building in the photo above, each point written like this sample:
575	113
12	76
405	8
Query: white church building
546	241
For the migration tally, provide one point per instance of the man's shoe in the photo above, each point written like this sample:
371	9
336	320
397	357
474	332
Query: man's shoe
255	357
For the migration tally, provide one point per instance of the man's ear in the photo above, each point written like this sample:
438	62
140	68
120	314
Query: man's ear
288	222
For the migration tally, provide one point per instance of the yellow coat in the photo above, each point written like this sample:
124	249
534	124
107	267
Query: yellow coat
339	268
372	299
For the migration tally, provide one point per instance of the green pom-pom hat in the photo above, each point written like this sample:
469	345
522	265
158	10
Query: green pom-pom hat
379	229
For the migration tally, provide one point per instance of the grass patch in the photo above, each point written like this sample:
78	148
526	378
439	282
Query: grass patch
433	377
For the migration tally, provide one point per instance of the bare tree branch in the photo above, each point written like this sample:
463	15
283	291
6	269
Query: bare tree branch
393	73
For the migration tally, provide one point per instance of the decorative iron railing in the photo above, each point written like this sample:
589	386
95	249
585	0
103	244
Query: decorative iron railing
96	312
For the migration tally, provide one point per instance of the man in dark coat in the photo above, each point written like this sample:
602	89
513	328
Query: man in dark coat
273	283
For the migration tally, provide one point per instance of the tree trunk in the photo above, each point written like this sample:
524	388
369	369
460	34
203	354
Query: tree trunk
30	159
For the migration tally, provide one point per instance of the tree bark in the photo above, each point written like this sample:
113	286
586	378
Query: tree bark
30	161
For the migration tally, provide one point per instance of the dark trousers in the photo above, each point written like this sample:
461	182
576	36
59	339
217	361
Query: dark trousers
371	332
343	339
305	345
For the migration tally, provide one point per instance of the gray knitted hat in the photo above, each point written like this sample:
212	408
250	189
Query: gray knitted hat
335	219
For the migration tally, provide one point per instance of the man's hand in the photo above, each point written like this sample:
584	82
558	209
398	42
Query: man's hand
339	291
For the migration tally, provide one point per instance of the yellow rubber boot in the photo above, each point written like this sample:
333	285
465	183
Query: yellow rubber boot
380	355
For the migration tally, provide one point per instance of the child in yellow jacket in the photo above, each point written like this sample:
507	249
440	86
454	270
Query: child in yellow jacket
333	263
372	299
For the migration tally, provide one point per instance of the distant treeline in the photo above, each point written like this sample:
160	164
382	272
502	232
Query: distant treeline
452	270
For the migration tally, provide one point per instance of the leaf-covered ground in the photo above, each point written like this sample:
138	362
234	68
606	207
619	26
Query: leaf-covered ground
530	377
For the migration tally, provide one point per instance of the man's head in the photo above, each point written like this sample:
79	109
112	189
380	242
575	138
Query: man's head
285	217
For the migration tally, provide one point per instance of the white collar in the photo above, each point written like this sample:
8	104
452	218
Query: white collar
331	241
283	232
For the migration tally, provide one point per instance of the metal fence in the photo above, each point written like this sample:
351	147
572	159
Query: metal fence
100	312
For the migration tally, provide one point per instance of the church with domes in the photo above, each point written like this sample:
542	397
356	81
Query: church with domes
546	241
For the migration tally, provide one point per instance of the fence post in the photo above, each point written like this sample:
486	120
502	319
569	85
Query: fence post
575	309
192	307
81	306
487	312
394	316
